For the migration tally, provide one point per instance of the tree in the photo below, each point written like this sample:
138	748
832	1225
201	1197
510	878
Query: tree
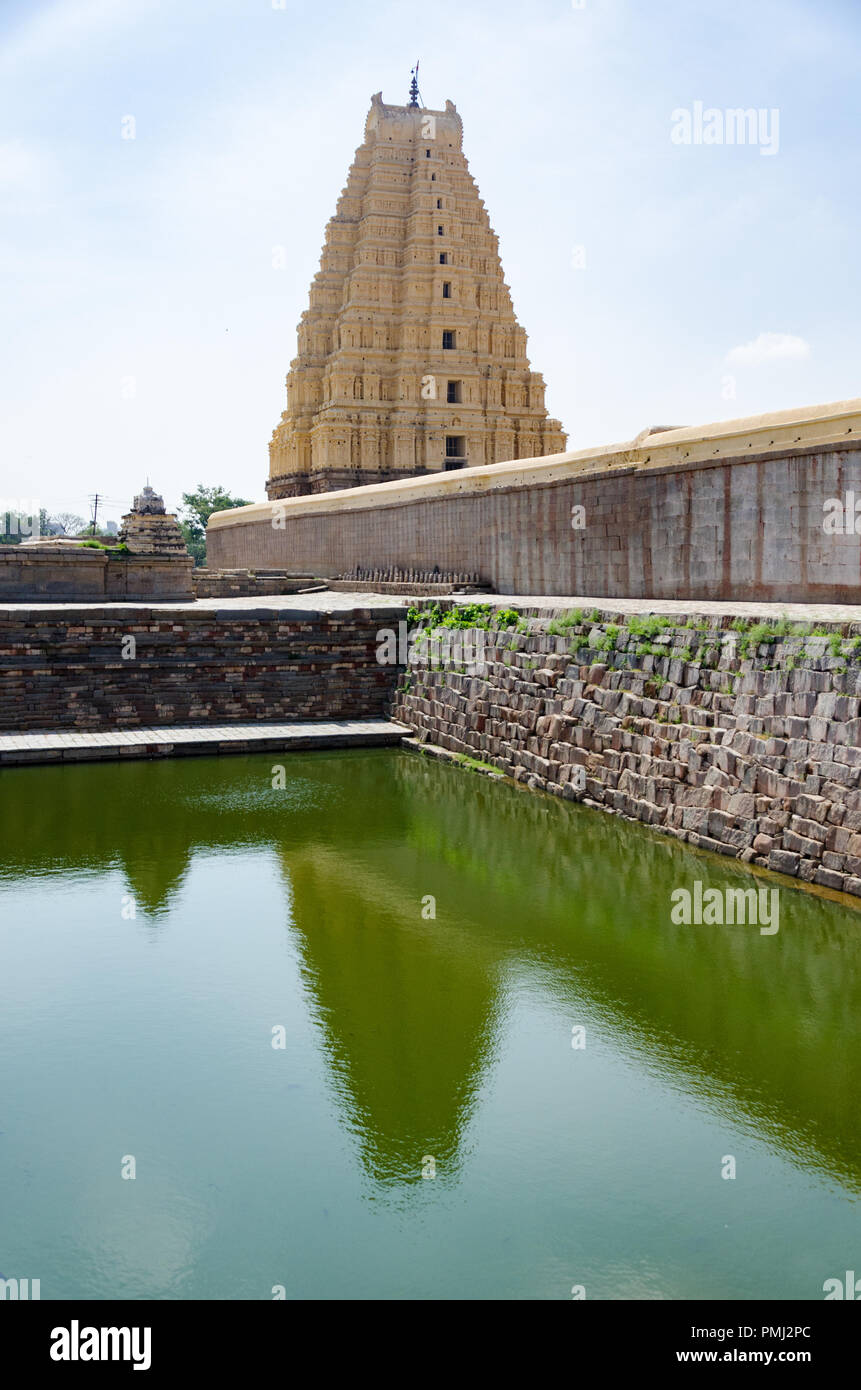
197	507
69	523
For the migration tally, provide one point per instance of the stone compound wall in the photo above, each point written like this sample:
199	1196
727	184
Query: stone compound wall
212	583
750	754
66	669
733	512
63	575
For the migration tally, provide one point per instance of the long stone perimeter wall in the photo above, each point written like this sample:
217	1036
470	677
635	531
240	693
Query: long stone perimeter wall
754	755
733	511
66	669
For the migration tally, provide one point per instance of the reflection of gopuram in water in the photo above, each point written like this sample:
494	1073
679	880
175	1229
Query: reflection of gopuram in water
765	1030
405	1004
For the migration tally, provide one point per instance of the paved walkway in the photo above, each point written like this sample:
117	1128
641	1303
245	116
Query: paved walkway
173	740
330	602
324	602
798	612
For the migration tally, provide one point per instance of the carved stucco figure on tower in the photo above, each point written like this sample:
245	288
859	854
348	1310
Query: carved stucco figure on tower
410	358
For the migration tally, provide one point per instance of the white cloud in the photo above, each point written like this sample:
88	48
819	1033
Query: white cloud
769	347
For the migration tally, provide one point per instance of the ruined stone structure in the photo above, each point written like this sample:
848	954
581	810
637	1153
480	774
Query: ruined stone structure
150	530
149	562
410	358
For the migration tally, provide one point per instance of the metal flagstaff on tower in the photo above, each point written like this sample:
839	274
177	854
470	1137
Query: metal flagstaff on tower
414	86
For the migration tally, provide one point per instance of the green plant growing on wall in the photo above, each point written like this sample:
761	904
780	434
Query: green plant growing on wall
608	642
649	625
756	635
762	633
460	617
121	549
558	627
510	618
476	765
430	617
468	615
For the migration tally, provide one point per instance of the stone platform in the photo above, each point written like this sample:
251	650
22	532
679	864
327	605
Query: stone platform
362	600
61	746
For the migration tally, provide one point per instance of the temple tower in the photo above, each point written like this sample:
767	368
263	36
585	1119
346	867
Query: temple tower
150	530
410	358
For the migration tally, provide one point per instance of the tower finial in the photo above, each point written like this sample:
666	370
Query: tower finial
414	86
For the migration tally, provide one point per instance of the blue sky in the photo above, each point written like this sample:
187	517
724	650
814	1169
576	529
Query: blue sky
146	331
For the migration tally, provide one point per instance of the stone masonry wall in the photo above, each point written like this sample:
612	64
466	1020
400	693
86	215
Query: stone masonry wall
63	574
210	583
745	747
65	669
746	528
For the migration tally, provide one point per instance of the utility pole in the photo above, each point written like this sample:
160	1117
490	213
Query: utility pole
94	498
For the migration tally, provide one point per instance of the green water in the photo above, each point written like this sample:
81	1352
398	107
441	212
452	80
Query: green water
406	1039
